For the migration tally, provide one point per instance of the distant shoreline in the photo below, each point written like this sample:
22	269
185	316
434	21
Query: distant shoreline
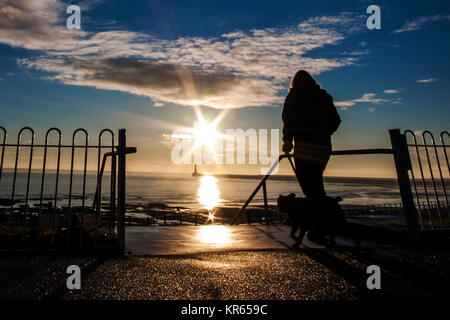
293	178
329	179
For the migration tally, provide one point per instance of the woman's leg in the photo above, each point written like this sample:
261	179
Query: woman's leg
310	178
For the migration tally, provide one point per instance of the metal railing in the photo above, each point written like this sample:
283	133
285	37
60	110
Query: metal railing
263	182
65	225
412	205
430	185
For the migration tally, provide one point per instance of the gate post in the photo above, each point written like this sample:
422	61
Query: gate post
121	190
402	165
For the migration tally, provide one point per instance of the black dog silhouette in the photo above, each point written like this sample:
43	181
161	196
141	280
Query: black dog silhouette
325	217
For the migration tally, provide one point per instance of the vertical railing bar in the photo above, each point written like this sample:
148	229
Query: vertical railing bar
38	227
113	194
57	184
13	189
29	170
432	174
83	208
3	151
112	191
415	185
99	188
69	205
55	204
444	150
121	190
99	179
422	177
28	185
19	136
444	189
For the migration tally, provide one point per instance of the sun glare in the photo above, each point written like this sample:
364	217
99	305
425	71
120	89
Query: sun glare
215	235
206	134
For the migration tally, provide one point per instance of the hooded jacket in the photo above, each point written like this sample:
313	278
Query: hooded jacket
309	115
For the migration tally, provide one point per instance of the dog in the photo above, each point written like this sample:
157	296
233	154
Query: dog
325	217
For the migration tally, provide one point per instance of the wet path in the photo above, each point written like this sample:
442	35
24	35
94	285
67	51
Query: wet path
166	240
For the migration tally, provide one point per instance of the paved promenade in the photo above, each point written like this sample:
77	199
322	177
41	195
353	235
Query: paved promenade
237	262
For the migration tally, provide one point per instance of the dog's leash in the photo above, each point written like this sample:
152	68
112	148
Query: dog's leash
292	164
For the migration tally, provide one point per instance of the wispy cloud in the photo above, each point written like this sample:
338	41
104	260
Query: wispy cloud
235	70
391	91
419	23
397	100
366	98
429	80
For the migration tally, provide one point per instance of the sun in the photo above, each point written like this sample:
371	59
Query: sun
205	134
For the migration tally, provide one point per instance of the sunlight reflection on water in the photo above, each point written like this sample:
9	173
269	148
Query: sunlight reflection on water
208	194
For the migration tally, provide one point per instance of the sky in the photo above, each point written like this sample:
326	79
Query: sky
152	66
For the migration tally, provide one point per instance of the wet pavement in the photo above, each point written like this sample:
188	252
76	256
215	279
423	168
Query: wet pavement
230	262
269	274
182	239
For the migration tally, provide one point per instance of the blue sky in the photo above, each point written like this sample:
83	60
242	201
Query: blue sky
144	65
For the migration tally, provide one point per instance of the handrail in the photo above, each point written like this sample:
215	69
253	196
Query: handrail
128	150
262	183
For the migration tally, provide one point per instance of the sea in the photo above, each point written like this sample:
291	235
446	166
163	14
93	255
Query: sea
195	192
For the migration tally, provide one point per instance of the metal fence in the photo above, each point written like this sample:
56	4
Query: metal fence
419	210
66	220
430	178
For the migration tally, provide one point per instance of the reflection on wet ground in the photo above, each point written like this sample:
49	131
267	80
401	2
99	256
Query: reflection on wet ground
193	239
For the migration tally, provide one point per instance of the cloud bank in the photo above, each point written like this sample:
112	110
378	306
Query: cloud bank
234	70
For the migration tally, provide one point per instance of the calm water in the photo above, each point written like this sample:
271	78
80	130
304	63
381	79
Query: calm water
197	192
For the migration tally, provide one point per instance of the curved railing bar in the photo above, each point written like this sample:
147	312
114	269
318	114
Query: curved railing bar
444	189
426	132
19	137
98	192
69	219
55	204
419	207
444	146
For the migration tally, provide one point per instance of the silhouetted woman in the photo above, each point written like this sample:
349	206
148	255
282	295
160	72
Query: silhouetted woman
309	118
